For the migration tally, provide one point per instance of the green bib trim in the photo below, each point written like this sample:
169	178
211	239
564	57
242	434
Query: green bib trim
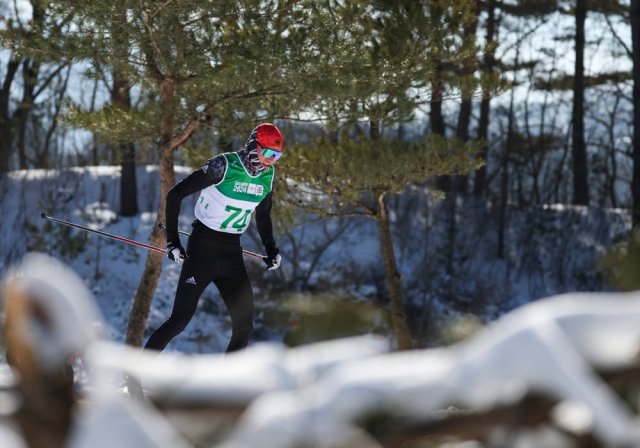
239	185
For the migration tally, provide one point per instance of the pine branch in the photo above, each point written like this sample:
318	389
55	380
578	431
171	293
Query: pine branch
150	61
185	135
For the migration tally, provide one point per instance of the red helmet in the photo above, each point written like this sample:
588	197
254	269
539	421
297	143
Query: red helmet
268	136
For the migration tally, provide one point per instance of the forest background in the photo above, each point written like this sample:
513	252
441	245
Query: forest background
488	150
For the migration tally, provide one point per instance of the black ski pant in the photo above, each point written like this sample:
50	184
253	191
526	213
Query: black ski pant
207	261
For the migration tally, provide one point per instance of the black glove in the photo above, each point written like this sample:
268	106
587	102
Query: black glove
273	258
175	251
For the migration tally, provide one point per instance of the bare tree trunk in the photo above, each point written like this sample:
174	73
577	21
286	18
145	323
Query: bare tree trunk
153	266
613	151
460	182
374	130
30	70
542	146
580	171
128	181
504	191
6	120
635	36
436	117
13	126
120	96
94	142
43	154
480	179
438	126
394	279
504	185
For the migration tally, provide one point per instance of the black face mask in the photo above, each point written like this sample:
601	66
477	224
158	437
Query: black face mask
252	155
251	160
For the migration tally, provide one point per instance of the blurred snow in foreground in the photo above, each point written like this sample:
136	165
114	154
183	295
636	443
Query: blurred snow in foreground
322	394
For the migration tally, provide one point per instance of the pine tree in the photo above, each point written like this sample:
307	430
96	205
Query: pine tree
196	62
35	73
579	82
398	49
635	185
348	178
579	151
488	65
126	152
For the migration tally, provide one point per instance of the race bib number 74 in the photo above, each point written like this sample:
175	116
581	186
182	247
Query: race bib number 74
237	219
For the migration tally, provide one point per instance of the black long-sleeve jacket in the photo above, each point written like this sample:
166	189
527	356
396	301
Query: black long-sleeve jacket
209	174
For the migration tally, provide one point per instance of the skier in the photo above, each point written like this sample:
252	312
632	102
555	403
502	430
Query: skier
231	185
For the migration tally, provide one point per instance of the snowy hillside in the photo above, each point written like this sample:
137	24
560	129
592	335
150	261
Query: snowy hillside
549	250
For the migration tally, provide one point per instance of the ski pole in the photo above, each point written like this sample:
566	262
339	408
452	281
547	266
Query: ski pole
99	232
246	252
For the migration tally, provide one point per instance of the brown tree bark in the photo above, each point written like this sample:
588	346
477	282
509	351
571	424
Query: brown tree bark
374	129
13	125
6	119
30	70
506	158
480	179
398	315
120	96
393	277
153	265
580	171
460	182
635	37
438	126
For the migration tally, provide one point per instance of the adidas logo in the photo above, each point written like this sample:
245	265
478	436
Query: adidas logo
191	281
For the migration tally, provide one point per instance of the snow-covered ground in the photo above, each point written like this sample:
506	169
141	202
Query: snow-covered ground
296	397
112	269
549	250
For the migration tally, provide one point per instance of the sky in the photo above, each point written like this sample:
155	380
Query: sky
16	9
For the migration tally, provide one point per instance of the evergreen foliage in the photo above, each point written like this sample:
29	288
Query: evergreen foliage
351	177
230	64
345	178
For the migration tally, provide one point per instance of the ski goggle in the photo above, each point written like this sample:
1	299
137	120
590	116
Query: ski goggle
270	153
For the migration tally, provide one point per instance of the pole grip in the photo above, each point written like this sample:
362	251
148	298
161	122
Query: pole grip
246	252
